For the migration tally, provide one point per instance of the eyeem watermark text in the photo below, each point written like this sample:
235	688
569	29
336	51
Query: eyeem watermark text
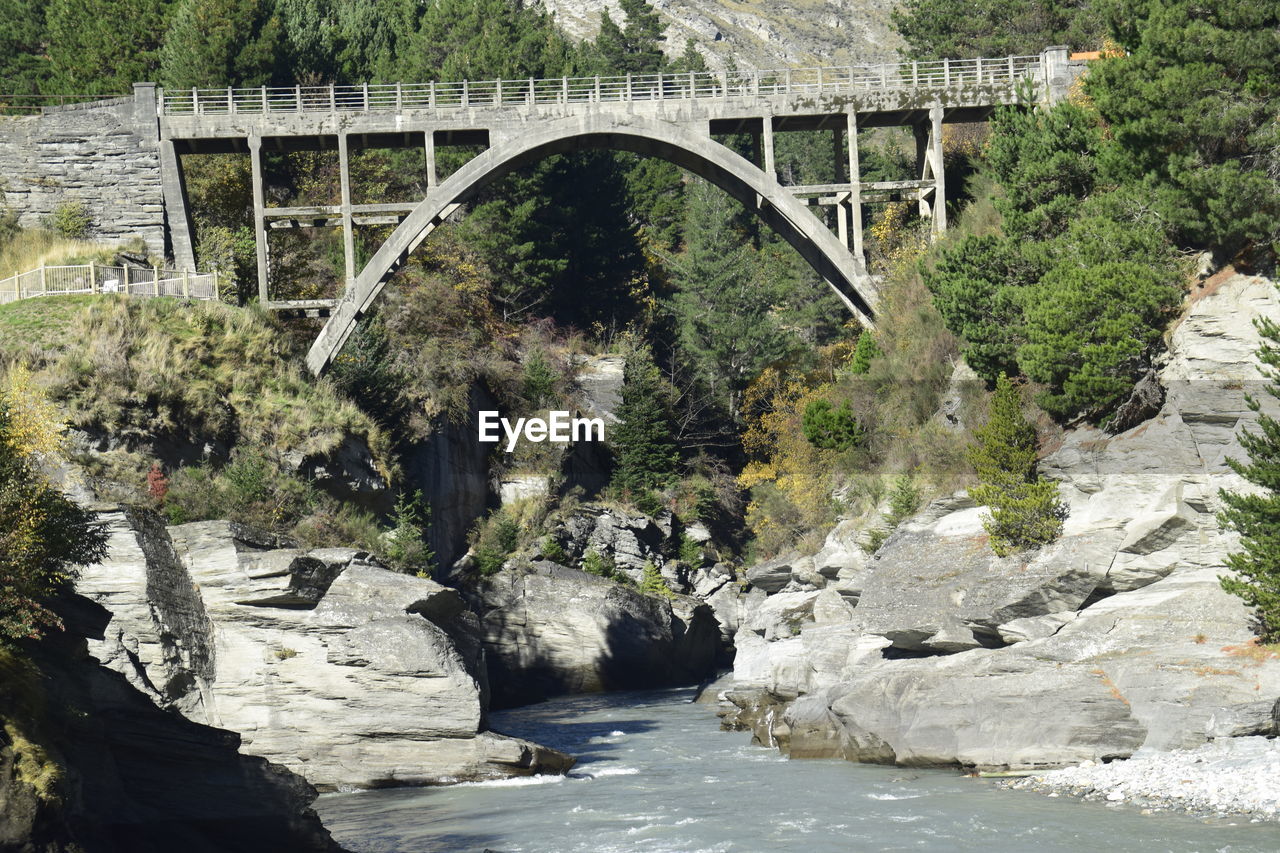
559	427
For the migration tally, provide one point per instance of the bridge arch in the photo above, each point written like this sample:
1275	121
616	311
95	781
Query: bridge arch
696	153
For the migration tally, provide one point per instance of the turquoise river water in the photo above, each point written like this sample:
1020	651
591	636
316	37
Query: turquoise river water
656	775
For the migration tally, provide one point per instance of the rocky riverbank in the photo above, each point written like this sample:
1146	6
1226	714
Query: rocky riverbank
1231	776
1116	638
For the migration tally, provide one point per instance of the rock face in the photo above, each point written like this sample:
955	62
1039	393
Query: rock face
138	779
452	470
1115	638
350	674
551	630
764	34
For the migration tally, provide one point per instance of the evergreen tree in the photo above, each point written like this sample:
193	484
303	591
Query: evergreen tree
1025	509
1193	111
831	428
24	67
1256	516
643	441
215	43
103	47
636	46
963	29
724	306
405	544
653	583
865	352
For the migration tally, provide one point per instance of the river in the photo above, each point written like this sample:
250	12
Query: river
656	775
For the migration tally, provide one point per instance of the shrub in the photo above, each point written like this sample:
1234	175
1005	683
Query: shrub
600	565
72	220
903	499
540	380
496	539
552	550
831	428
252	488
1025	509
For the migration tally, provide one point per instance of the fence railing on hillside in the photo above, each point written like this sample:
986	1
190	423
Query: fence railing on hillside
944	73
96	278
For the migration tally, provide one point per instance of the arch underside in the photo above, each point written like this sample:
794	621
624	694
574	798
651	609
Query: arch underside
698	154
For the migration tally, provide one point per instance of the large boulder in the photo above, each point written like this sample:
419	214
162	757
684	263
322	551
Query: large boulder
347	673
550	630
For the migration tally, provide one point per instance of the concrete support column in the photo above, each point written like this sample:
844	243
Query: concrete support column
855	193
1056	64
939	182
838	155
348	231
429	144
923	166
177	212
259	216
767	137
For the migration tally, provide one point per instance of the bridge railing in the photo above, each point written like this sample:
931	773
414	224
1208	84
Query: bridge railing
572	90
95	278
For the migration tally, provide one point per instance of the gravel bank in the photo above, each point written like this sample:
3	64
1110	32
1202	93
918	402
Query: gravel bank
1231	776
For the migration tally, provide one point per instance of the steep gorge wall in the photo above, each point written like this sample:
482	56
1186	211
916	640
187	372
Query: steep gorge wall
105	155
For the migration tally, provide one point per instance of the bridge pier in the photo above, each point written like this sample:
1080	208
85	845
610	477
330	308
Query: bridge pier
259	215
932	195
348	223
173	187
855	189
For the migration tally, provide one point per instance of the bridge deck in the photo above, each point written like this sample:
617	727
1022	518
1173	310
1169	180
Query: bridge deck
799	99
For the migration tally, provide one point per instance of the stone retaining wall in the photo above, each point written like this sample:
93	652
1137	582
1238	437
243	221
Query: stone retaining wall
105	155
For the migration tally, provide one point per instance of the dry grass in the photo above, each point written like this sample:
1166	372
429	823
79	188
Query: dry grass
1255	651
30	249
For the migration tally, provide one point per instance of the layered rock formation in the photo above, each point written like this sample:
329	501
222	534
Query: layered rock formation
324	662
134	779
1116	637
550	630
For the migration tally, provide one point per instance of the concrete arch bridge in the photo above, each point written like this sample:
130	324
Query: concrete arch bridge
672	116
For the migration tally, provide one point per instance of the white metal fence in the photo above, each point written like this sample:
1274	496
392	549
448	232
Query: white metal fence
95	278
632	87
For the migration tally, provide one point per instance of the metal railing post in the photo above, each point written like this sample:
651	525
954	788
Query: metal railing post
44	284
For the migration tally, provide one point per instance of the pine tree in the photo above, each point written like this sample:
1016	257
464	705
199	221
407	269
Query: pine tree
220	43
103	47
1257	516
724	306
643	439
1025	509
866	351
653	583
